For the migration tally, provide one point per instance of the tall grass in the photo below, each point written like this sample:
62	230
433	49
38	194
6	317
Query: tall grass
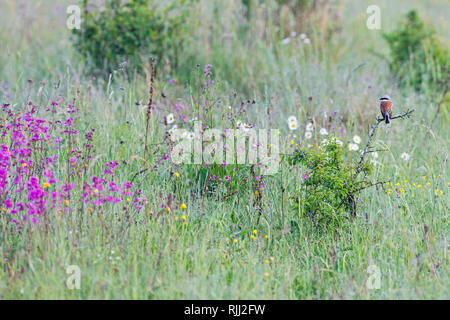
206	250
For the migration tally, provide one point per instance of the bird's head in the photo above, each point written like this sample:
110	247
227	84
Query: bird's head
385	98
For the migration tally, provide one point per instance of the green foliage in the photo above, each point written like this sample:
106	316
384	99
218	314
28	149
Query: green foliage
417	58
328	190
130	32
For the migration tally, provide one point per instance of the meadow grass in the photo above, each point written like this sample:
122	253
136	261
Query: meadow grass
215	248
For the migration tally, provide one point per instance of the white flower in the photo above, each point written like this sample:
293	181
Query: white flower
353	147
308	135
357	139
190	135
374	162
307	41
405	156
170	118
173	129
323	131
292	119
292	122
238	124
375	154
302	36
293	34
293	125
286	41
309	127
245	127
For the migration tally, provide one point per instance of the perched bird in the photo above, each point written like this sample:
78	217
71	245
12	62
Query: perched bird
386	108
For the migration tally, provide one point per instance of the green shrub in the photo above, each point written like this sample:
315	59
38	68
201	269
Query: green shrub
417	58
130	32
329	189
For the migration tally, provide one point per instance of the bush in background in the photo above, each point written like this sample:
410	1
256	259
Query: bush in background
130	32
417	58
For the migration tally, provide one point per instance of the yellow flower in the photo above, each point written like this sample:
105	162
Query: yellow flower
406	181
256	192
266	274
292	141
387	183
47	185
90	210
419	186
412	196
428	184
253	237
279	132
183	206
271	258
168	209
183	218
402	190
177	175
389	191
255	231
397	184
25	165
267	236
267	261
441	192
234	240
128	200
66	202
95	190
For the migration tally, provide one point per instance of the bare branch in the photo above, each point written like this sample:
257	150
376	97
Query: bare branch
407	114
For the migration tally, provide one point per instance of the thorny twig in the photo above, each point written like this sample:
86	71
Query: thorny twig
407	114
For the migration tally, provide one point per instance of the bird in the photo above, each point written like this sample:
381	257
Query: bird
386	108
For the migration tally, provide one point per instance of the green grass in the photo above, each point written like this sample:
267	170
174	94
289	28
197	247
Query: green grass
134	255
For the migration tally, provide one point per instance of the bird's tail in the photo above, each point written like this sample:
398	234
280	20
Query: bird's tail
386	117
